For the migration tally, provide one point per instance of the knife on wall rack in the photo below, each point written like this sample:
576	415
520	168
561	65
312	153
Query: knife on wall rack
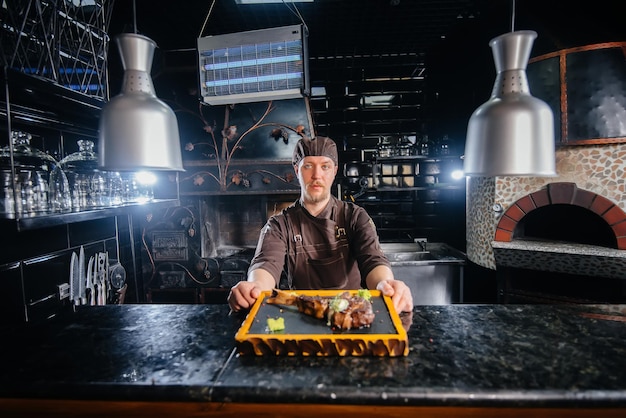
90	291
74	279
81	276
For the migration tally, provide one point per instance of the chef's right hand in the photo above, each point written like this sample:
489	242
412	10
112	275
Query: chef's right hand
243	295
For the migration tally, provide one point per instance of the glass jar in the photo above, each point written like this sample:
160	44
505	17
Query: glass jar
25	177
137	187
115	188
26	156
425	146
59	193
88	185
404	147
386	148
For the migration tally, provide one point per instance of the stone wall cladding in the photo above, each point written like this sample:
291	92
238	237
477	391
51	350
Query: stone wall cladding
480	221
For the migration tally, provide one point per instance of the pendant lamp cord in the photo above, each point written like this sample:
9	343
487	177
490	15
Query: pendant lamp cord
135	16
512	15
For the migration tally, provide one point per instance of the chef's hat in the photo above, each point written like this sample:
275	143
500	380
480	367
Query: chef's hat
320	146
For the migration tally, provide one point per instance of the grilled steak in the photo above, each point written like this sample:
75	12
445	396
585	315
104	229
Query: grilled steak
343	311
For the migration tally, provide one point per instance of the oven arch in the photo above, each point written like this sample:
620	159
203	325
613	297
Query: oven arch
563	193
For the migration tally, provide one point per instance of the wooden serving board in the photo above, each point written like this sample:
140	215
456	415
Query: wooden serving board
307	336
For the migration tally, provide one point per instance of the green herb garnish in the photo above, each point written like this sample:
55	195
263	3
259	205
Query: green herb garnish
276	324
338	304
365	294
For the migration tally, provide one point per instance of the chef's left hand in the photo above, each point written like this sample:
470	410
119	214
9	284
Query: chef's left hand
399	292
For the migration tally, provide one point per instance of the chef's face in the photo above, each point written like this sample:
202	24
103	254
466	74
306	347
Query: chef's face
316	176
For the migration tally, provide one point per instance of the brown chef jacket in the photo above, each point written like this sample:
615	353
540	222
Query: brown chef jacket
335	250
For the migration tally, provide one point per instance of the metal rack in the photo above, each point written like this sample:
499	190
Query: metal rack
64	41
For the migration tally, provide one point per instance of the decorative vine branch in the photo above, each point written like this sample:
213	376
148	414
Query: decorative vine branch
224	158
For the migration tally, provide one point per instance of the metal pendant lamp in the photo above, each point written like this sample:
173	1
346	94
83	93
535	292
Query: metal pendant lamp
138	131
512	134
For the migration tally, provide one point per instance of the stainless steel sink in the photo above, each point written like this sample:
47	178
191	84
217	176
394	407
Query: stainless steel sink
401	247
432	270
411	256
421	253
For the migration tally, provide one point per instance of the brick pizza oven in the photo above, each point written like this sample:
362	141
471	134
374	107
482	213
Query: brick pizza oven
563	212
554	239
563	237
574	237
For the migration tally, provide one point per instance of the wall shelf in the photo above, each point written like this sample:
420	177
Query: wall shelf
25	223
42	104
35	104
412	196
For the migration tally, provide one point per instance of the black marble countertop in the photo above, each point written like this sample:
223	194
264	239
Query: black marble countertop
465	355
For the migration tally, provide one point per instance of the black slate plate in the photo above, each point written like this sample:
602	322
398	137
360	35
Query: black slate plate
299	323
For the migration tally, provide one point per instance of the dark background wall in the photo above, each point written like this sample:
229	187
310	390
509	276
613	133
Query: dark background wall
348	47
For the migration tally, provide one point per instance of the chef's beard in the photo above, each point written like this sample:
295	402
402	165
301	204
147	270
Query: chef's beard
308	197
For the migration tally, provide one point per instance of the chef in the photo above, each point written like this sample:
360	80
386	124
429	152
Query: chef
319	242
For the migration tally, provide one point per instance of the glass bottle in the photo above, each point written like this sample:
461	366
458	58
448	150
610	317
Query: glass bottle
424	148
40	180
444	146
7	201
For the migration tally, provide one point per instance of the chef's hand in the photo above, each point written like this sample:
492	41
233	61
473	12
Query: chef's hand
243	295
399	292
